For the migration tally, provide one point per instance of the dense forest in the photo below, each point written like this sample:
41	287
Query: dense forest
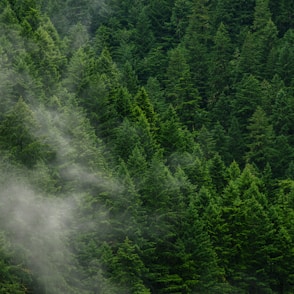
147	146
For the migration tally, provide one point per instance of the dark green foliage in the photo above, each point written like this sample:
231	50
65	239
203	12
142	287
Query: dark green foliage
261	140
218	67
146	146
248	97
282	14
283	57
196	41
236	15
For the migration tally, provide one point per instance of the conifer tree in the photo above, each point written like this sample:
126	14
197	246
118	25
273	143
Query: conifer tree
217	173
282	255
284	58
47	56
202	255
282	11
126	140
129	269
248	97
137	166
219	65
17	135
196	40
261	139
180	91
180	18
144	103
173	136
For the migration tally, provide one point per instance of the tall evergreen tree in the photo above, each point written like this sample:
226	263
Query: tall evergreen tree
261	140
218	67
196	41
129	269
17	135
180	91
237	16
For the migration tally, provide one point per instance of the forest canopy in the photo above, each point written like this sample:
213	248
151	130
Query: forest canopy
147	146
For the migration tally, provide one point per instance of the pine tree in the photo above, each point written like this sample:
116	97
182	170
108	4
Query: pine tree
261	140
47	56
258	42
180	18
173	136
282	255
248	97
177	77
7	16
284	58
129	270
159	14
196	41
217	173
15	278
137	166
221	138
282	14
143	101
249	56
180	91
126	139
248	226
203	259
262	14
129	78
237	16
219	65
143	28
206	142
17	138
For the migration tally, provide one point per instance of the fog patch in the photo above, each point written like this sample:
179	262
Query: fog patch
38	228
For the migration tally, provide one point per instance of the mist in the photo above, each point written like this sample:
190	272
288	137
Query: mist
41	224
38	229
44	209
89	13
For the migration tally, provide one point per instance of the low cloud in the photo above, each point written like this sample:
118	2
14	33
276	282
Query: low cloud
38	228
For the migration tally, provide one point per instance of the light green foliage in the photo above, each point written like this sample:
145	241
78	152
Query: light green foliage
16	137
47	55
144	103
180	91
178	73
129	269
173	136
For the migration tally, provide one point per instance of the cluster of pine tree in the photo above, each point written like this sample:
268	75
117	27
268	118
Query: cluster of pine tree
169	127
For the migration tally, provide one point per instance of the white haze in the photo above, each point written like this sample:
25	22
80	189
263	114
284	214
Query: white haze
39	224
37	228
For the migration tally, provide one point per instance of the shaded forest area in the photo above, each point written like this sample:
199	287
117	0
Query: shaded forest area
147	146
